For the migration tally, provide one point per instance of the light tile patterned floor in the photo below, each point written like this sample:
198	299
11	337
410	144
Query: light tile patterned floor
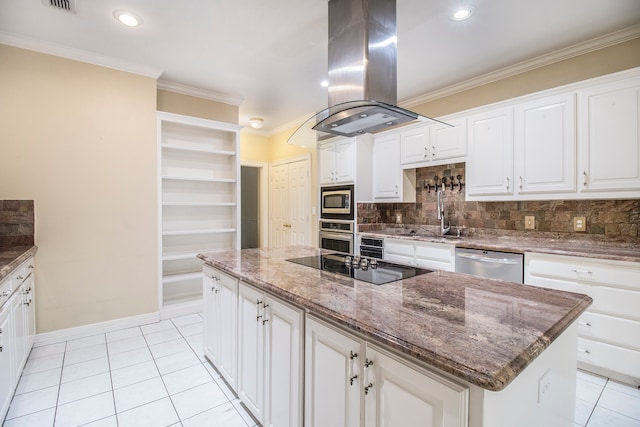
156	375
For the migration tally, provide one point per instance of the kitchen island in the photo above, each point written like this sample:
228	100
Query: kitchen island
511	346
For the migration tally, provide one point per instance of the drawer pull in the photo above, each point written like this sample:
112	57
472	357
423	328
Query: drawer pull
587	351
575	270
585	324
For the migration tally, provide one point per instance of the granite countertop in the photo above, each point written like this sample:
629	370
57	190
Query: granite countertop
520	244
483	331
12	256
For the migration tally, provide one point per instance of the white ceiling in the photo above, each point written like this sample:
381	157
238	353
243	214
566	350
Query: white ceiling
270	55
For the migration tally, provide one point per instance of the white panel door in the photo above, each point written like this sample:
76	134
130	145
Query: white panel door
332	377
327	163
545	145
283	365
415	146
211	314
227	306
6	363
449	142
251	349
20	334
387	172
490	161
299	203
279	205
346	160
396	394
610	136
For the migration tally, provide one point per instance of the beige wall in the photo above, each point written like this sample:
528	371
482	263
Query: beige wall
80	140
178	103
254	147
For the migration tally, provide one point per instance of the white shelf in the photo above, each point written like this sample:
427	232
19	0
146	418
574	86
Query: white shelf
188	178
198	150
183	277
197	204
201	231
177	256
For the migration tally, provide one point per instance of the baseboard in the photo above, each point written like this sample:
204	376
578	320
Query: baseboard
95	328
181	309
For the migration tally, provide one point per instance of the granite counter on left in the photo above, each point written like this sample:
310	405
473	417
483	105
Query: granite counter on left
12	256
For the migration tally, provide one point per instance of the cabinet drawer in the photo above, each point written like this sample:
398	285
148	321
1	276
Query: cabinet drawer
586	270
399	251
614	330
435	255
609	356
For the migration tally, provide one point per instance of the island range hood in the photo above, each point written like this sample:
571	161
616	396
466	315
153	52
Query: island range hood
362	73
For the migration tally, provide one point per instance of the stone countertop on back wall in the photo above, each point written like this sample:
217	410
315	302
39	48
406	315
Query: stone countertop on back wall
549	243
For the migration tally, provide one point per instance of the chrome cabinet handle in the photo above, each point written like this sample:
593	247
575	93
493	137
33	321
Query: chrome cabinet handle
521	183
20	277
575	270
585	180
433	151
5	294
584	350
585	324
31	266
508	183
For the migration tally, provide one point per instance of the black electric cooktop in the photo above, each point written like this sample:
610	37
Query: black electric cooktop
370	270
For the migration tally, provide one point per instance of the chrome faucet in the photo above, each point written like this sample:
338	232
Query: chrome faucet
443	230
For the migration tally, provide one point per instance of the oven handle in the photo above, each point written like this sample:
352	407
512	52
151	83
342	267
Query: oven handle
337	236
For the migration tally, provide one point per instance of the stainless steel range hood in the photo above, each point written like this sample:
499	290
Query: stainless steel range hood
362	73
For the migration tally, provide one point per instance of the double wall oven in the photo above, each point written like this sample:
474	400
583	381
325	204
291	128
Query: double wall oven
337	219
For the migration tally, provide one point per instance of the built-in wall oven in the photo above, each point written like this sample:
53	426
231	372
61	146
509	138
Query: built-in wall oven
337	202
337	236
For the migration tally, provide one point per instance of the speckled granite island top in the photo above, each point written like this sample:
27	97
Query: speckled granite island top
12	256
480	330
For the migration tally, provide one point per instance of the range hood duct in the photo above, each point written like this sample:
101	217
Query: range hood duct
362	73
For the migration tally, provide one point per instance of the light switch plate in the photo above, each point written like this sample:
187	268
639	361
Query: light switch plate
579	223
530	222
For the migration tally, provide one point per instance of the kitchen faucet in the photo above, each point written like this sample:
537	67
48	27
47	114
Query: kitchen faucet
443	230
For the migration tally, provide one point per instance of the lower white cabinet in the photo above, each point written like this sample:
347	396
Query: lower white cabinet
609	331
346	377
434	255
7	381
269	358
220	322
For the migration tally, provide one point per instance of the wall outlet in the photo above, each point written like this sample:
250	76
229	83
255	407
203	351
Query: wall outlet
530	222
579	223
544	386
398	218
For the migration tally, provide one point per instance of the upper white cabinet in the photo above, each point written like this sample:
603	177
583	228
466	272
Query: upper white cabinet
199	189
490	161
337	161
545	145
415	145
390	182
609	126
428	144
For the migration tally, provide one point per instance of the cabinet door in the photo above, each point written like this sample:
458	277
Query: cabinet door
283	365
438	256
331	361
211	314
449	142
387	173
327	163
400	251
7	377
609	123
490	161
415	146
251	349
19	332
345	161
545	145
228	328
29	312
398	394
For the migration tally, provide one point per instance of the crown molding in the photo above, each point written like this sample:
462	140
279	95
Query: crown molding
611	39
199	93
78	55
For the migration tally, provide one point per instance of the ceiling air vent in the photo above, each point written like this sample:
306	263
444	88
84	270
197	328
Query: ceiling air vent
67	5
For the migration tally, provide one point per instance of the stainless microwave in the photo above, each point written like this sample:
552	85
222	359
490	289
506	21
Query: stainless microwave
337	202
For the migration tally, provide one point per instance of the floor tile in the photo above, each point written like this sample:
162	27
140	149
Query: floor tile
39	380
111	421
621	403
85	410
623	388
603	417
85	387
588	391
162	336
85	354
189	319
139	394
212	371
44	363
244	413
124	334
224	415
47	350
85	369
198	399
225	388
188	330
197	345
27	403
85	342
186	378
127	344
169	347
155	414
158	326
128	358
592	378
177	361
36	419
134	374
583	411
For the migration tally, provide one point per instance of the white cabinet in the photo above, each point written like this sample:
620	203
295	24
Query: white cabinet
449	142
270	358
390	182
490	163
337	161
433	255
609	331
221	322
7	375
545	145
609	133
415	145
198	184
344	375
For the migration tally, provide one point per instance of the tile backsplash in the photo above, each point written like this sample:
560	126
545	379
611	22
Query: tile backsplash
614	220
17	223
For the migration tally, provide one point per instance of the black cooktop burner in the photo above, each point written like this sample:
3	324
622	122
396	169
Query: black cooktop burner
369	270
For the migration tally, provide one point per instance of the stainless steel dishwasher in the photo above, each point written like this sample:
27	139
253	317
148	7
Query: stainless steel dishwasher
494	265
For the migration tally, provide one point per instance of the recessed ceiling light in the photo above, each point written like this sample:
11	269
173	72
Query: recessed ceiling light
461	14
127	18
